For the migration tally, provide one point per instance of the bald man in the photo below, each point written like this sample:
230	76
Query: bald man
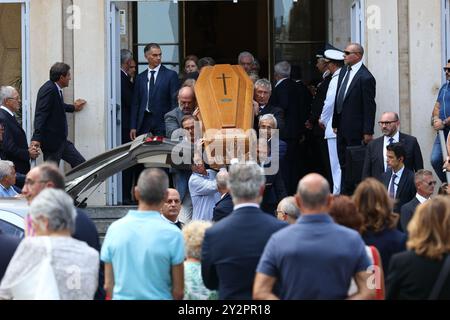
186	106
331	255
375	161
172	207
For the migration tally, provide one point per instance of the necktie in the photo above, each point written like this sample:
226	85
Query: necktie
151	85
391	140
61	95
391	186
178	224
341	93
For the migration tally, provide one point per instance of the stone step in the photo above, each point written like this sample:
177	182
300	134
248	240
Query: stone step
104	216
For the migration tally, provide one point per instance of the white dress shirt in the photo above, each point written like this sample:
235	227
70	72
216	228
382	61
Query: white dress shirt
355	69
420	198
279	81
397	180
247	204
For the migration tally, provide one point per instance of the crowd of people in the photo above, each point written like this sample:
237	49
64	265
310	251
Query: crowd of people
321	227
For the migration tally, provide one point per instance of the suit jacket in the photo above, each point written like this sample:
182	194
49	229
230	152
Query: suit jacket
277	112
295	100
223	208
172	119
412	277
50	122
406	189
317	105
231	251
358	111
162	100
126	97
8	246
407	212
374	160
274	192
15	146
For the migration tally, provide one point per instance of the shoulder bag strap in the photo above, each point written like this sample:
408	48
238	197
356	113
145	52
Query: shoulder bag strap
441	279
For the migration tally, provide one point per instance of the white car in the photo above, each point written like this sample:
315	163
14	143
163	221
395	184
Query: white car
148	150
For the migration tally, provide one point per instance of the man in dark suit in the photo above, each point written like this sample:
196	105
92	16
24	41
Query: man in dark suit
355	107
425	183
15	146
262	93
47	175
225	205
398	180
295	101
8	245
232	247
154	95
172	207
375	160
128	71
50	122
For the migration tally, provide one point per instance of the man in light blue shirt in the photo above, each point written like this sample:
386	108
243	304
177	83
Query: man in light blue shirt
143	253
204	193
7	179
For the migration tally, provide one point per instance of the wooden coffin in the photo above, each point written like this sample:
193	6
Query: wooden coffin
225	99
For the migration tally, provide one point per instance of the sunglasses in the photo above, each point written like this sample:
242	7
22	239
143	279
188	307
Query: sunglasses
446	69
385	123
431	183
347	53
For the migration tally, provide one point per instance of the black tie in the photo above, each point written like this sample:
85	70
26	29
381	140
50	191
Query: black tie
341	93
151	85
61	95
391	140
392	187
178	224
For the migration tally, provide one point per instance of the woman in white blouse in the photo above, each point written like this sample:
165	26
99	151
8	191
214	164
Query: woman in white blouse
75	265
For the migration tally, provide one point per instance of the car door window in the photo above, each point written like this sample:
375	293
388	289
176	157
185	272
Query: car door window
11	229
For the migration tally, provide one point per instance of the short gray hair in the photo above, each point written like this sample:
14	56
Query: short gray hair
6	168
263	83
420	175
289	207
6	92
283	69
245	54
313	193
245	180
222	179
125	55
57	206
359	47
268	116
152	185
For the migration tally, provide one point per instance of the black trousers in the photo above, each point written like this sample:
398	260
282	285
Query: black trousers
66	152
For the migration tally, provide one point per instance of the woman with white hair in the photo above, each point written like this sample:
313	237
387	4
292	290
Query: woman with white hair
194	289
73	264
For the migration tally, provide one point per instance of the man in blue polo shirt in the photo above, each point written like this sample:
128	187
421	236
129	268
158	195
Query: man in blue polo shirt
143	252
314	258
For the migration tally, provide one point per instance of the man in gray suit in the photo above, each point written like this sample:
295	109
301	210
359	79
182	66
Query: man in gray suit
186	106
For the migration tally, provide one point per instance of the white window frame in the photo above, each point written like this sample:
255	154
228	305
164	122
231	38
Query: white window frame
358	22
445	33
25	38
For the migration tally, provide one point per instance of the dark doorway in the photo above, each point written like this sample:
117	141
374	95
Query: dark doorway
222	29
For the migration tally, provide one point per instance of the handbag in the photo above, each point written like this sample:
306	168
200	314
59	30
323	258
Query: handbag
437	288
40	283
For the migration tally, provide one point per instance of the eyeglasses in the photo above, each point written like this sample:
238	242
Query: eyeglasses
446	69
347	53
16	98
385	123
431	183
30	182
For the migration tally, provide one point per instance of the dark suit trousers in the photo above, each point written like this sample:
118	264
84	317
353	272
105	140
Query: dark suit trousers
149	124
66	152
342	144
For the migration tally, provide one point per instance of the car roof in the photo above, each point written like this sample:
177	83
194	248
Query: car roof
17	206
